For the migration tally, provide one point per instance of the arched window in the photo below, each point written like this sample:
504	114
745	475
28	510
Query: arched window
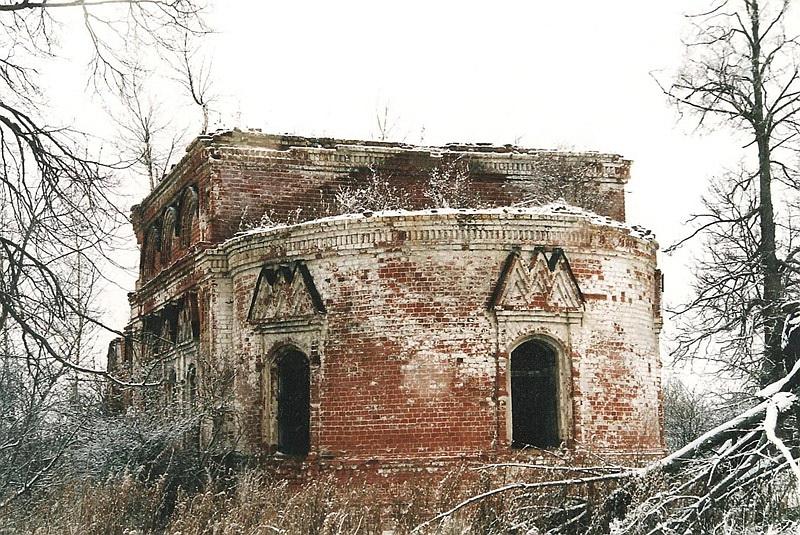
189	203
168	233
534	395
166	340
150	248
293	403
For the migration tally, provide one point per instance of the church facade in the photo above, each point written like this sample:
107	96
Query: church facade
526	315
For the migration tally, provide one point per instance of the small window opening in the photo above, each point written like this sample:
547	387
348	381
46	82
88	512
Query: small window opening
293	399
170	387
191	379
534	396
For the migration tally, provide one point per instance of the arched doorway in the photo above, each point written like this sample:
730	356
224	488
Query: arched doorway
293	400
534	395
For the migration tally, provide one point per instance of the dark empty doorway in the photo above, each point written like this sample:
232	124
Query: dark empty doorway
293	404
534	401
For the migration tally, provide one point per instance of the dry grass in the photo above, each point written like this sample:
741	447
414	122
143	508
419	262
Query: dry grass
121	506
255	504
325	506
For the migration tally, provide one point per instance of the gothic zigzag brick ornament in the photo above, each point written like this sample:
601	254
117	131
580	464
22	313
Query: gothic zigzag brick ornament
320	303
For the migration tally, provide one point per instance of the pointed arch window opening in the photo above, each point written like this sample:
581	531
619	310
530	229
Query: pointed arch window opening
170	340
189	205
292	396
171	390
151	252
191	391
168	233
534	395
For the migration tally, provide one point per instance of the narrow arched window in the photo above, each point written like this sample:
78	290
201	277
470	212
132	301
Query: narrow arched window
150	250
168	233
165	341
188	215
534	395
293	403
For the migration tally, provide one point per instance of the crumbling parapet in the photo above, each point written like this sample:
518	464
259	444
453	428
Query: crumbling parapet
409	335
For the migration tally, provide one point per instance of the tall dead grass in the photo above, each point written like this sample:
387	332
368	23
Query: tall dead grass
255	504
121	506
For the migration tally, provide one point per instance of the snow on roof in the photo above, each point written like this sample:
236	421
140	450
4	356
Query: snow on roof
254	138
558	208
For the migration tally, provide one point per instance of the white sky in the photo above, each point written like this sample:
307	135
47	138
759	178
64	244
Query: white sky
568	74
572	74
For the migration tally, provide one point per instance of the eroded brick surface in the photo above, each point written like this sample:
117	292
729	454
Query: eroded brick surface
407	319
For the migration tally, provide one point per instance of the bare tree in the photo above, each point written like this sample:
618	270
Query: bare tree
195	75
59	214
688	413
449	185
377	194
384	122
148	139
738	477
565	177
742	71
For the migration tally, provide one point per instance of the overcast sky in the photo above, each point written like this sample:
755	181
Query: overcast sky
567	74
571	74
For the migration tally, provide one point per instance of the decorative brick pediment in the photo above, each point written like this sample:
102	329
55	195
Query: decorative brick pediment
543	281
283	293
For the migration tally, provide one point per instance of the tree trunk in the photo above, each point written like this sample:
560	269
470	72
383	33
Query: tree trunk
773	356
772	367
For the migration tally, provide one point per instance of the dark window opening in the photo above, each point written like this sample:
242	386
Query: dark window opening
191	379
169	232
172	380
534	396
188	210
150	250
294	401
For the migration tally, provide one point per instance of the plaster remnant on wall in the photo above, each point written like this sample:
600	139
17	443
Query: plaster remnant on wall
406	319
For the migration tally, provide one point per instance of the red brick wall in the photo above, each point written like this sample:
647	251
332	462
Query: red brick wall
412	362
193	171
409	359
242	176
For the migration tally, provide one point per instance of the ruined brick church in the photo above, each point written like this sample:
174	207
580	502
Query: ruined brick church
401	337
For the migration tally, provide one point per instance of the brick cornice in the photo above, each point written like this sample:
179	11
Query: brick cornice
472	229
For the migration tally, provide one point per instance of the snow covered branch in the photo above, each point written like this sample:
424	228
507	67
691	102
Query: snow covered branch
689	491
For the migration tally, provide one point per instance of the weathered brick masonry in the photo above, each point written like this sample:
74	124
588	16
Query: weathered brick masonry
390	337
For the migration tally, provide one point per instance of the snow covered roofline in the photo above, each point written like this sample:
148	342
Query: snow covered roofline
556	210
618	166
234	180
507	159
